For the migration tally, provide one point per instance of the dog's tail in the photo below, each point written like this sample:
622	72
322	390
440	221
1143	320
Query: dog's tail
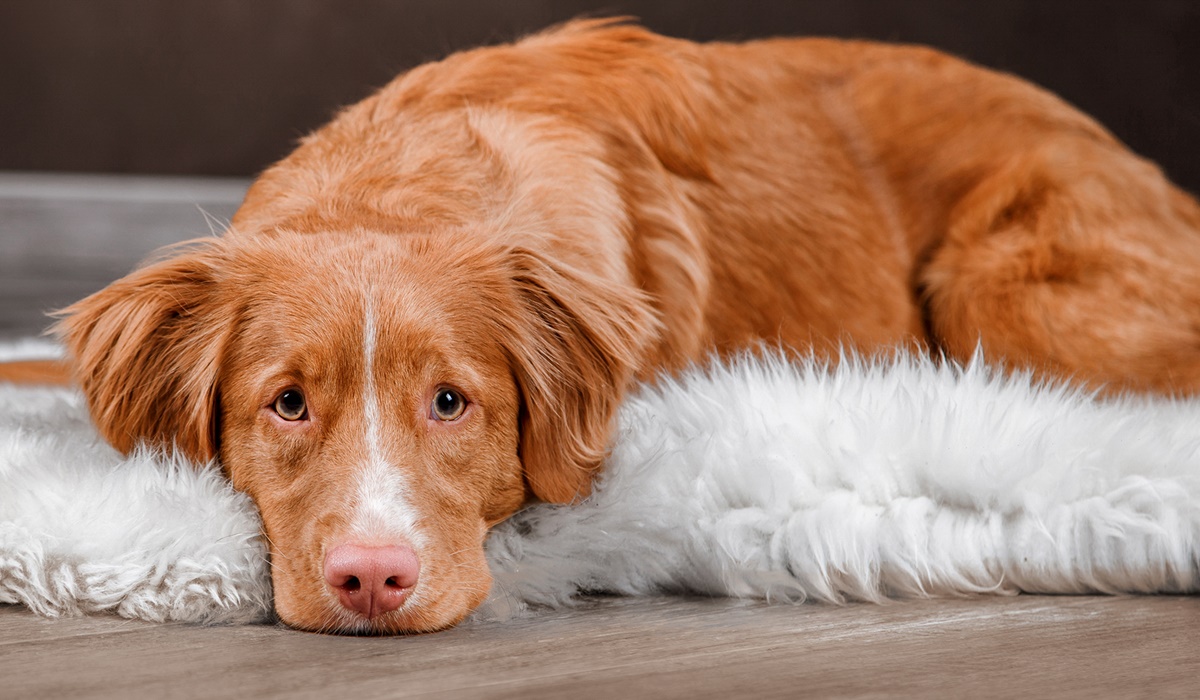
56	372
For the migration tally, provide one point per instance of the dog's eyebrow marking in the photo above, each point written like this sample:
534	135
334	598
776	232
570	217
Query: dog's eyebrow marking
383	509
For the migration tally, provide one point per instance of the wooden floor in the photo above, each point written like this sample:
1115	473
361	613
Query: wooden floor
1028	646
61	238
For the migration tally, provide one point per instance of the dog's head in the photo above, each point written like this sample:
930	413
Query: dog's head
383	398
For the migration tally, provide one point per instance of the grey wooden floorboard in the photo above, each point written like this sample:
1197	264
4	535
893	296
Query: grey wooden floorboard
990	647
64	237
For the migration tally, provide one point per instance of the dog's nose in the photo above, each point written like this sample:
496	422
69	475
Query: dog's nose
371	580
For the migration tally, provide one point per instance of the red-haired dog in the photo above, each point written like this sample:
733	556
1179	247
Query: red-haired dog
427	314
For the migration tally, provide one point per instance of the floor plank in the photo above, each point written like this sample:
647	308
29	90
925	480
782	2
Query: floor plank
670	647
62	238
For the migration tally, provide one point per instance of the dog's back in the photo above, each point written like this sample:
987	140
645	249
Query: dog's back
812	192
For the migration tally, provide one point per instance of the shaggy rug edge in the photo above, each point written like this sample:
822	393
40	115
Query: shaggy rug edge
859	492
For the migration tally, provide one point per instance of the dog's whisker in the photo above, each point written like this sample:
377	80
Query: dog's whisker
215	224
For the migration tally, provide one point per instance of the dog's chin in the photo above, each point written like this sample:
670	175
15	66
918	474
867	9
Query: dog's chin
335	620
420	613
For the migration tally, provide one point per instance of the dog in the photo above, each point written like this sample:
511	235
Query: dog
426	315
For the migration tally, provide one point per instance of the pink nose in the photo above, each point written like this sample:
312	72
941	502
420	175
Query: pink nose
371	580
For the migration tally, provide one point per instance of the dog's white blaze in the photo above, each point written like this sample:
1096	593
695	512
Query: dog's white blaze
383	510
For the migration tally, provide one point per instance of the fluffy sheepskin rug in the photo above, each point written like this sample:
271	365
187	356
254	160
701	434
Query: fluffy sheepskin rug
761	479
84	530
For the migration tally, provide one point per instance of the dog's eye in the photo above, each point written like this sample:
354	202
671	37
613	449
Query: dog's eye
448	404
290	405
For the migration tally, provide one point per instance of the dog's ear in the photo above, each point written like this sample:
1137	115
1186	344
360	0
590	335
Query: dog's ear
574	346
146	350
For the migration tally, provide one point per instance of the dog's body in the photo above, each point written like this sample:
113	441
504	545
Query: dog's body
430	310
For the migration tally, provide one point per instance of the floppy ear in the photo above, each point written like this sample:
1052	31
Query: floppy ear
145	351
575	347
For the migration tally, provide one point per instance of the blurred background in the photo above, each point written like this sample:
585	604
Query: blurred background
224	87
170	105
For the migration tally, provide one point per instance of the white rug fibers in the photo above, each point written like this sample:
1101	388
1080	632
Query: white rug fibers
759	479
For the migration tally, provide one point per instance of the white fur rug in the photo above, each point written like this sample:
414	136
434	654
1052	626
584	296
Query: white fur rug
760	479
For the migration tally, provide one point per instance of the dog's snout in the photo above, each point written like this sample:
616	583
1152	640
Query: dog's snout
371	580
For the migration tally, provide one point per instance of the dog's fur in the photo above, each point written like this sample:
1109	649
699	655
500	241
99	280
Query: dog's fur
538	225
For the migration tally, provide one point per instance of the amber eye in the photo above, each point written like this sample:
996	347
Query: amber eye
448	404
290	405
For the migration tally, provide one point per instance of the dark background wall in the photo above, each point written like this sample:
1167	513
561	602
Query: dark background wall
224	87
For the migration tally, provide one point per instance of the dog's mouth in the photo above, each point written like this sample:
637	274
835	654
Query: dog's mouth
419	614
408	619
380	600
